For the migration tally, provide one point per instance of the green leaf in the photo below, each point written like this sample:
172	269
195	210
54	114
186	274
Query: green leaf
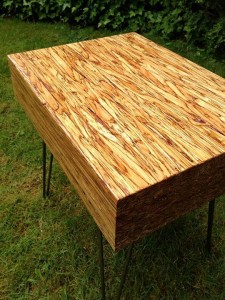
132	13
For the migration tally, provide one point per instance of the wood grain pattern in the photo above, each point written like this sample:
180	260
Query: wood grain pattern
131	123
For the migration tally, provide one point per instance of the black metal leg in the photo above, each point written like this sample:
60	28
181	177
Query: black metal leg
44	168
101	263
124	275
49	175
210	224
44	154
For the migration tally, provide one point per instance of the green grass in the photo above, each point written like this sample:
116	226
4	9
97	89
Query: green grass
48	248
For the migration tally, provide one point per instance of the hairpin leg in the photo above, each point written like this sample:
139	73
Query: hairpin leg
210	224
46	188
125	271
44	168
49	175
101	264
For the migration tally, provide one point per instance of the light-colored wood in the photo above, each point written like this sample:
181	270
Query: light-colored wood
138	129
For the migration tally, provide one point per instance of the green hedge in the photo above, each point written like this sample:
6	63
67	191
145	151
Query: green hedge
200	22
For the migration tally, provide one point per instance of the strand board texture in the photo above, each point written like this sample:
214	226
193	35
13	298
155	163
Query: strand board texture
138	129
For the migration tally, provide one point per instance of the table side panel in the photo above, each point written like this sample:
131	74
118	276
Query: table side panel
164	202
85	182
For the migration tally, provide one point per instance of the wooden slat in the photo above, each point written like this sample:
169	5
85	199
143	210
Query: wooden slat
126	117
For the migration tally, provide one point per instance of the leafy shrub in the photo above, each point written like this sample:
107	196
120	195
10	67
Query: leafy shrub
200	22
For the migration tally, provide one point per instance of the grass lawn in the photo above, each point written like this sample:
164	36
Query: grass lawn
48	248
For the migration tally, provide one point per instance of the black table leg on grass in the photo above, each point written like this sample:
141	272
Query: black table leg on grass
46	188
101	264
210	224
49	175
44	168
124	275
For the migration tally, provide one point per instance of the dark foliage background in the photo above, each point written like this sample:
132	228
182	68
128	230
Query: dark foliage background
199	22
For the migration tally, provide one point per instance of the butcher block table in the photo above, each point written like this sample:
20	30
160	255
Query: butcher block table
138	129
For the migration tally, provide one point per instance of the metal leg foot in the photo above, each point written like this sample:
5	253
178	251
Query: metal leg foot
210	224
44	157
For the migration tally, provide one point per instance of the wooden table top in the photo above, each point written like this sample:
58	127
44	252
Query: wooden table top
134	113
